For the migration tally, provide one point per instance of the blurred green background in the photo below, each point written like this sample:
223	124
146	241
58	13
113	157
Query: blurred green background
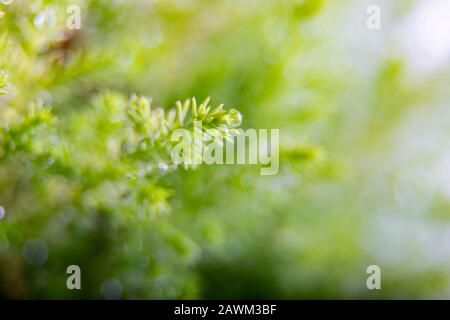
364	145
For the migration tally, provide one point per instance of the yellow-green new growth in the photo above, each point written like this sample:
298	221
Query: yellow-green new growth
184	115
145	132
152	128
2	83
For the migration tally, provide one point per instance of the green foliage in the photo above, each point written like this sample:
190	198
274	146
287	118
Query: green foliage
2	83
85	163
20	132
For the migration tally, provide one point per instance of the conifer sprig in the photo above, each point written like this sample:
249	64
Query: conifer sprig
147	130
158	123
18	132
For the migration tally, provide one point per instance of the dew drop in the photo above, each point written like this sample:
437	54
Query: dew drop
162	166
35	252
39	20
111	289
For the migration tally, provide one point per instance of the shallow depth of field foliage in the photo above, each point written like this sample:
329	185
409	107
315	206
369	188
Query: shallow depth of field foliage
85	171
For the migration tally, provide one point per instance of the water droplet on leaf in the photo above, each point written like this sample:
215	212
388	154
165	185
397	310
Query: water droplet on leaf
35	252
